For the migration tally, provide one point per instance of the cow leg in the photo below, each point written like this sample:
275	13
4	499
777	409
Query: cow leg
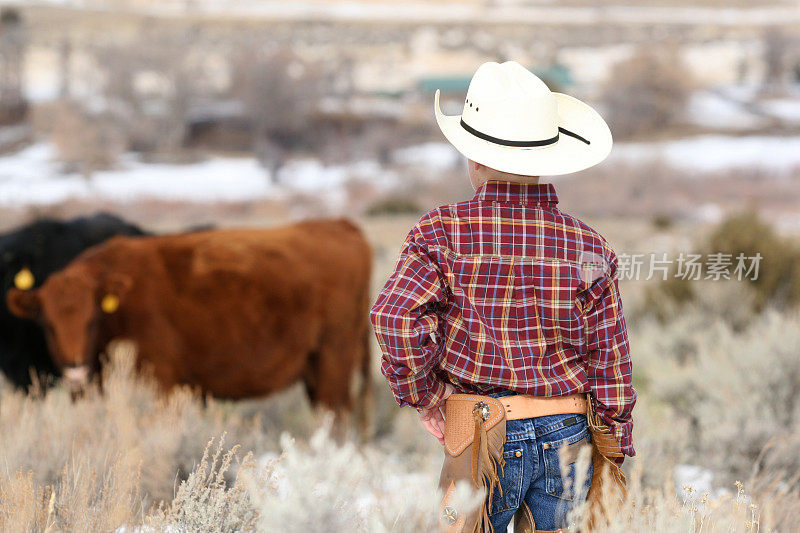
327	381
310	376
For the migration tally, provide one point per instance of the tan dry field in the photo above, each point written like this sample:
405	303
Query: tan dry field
108	460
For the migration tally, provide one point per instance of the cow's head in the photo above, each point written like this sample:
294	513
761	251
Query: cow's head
72	308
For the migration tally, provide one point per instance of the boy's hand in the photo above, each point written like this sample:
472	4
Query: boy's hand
432	417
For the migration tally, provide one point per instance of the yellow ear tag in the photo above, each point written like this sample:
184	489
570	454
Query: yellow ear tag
24	279
110	303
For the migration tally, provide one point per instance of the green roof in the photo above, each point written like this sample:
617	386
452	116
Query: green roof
446	85
555	76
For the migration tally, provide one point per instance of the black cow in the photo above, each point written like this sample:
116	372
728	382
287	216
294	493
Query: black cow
27	256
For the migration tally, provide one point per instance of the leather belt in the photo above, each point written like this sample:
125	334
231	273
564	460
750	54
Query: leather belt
526	406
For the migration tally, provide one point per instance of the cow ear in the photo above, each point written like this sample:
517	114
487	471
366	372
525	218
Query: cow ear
24	304
115	287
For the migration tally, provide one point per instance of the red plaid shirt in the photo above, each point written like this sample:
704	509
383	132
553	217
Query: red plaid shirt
488	295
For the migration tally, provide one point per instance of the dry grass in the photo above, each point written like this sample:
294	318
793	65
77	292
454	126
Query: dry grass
660	510
206	501
103	461
129	457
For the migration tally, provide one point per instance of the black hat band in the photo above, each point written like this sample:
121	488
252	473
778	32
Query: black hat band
521	144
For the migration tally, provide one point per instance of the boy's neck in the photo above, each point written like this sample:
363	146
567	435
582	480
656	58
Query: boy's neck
512	178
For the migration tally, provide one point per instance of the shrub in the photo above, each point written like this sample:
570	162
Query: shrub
86	142
325	486
205	501
394	205
778	281
662	221
739	392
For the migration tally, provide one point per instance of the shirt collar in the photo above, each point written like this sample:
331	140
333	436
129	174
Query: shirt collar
517	193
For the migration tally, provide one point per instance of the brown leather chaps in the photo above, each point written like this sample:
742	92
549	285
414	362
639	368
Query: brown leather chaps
475	433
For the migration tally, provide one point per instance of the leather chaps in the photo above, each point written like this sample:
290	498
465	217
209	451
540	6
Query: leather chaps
475	433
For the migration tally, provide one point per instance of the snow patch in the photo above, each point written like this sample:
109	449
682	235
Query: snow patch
713	110
712	153
31	176
431	156
696	477
787	109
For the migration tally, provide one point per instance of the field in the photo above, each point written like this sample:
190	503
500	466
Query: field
717	426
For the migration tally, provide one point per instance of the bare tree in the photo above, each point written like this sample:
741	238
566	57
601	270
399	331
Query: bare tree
280	95
647	92
151	85
777	46
65	68
13	42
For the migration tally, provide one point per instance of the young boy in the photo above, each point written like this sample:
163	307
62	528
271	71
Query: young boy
492	300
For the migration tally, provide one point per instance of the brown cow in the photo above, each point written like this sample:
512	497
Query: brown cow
238	313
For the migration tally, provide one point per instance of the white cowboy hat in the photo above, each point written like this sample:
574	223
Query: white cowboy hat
513	123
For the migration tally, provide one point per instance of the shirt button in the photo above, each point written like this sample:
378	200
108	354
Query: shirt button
518	453
546	446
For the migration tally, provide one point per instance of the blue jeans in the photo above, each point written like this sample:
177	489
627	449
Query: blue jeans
532	470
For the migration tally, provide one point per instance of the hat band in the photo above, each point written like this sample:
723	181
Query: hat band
522	144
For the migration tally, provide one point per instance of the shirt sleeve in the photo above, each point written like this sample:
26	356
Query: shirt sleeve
405	321
609	362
